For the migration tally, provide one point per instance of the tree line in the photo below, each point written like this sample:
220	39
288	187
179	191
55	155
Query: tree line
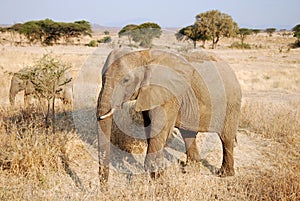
209	26
49	32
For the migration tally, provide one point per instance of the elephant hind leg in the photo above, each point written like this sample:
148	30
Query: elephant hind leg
227	168
228	137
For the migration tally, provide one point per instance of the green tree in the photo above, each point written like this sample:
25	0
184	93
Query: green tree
145	33
128	31
51	31
256	31
243	33
32	31
270	31
216	25
106	32
48	32
191	33
76	29
296	30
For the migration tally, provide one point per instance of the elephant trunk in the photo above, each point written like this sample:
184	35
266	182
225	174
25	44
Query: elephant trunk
12	94
104	117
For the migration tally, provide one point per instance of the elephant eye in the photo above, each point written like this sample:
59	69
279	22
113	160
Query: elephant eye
126	80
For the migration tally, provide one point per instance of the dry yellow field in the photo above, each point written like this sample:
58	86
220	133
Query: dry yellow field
36	166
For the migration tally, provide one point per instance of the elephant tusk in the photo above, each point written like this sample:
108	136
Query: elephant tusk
110	113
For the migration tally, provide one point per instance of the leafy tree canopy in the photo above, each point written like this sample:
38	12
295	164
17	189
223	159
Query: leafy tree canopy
270	31
296	30
243	33
191	33
216	25
142	34
48	31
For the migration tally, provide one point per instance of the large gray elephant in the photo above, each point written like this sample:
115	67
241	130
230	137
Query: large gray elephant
197	93
17	84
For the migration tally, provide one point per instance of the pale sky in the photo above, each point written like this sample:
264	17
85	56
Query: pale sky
280	14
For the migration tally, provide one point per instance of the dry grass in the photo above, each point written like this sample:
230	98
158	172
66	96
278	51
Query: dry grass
39	166
277	118
25	147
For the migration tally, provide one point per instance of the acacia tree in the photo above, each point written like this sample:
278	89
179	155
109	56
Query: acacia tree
127	31
270	31
32	31
192	33
145	33
243	33
296	30
256	31
216	25
142	34
48	31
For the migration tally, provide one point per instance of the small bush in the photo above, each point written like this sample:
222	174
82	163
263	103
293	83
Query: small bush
295	44
93	43
238	45
106	39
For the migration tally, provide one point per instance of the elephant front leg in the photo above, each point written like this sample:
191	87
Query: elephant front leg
161	127
189	138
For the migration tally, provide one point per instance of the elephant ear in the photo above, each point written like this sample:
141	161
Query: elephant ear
160	85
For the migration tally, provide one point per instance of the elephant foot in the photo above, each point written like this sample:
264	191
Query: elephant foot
156	175
103	174
225	172
154	164
183	164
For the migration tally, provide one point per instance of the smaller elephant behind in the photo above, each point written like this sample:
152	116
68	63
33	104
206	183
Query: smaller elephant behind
19	84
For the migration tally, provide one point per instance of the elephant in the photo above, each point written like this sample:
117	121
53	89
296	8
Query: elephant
17	85
197	93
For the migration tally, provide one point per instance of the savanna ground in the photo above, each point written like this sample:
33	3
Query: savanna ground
37	166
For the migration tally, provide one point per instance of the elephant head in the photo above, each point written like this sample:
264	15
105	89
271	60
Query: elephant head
170	92
17	85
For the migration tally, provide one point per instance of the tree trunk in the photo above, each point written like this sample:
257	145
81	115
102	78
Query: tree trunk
195	44
53	115
215	42
47	116
203	43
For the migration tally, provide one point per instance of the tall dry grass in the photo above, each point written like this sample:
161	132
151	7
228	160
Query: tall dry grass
26	149
36	165
276	118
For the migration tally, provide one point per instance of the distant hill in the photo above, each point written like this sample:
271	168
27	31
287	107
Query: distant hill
101	28
5	25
